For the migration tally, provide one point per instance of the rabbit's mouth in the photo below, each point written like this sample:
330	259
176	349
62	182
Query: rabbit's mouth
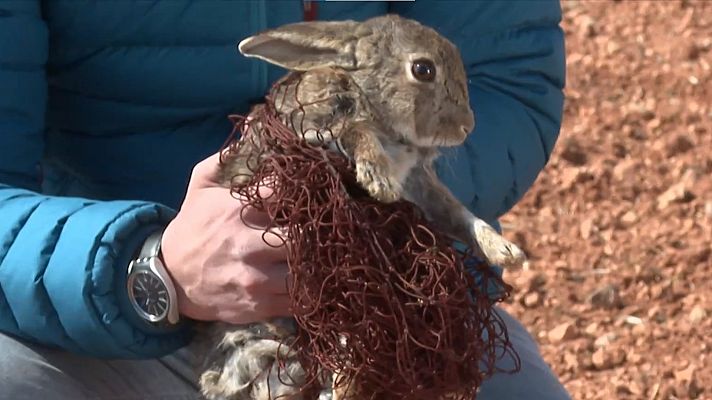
439	138
449	135
445	134
450	130
451	138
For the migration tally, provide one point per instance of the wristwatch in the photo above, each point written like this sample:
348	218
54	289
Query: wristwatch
150	288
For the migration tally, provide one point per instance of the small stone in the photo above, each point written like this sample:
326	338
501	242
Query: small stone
598	359
680	144
571	362
697	314
686	374
606	297
605	340
586	228
608	249
562	332
677	193
531	299
629	218
587	27
608	358
639	330
574	153
626	169
591	328
632	320
693	51
634	358
690	178
660	333
573	176
701	255
537	282
690	301
623	389
636	388
678	289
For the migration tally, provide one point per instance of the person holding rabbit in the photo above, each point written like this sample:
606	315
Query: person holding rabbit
108	112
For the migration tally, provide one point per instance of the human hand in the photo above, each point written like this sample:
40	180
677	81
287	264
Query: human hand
222	269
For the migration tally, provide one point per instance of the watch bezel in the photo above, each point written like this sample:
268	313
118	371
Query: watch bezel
132	296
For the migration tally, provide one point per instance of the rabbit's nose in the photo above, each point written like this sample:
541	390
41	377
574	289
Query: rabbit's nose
468	123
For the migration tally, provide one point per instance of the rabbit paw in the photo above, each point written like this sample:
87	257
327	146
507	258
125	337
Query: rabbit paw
496	249
374	178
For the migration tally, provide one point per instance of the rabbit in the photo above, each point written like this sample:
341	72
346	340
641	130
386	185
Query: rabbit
399	90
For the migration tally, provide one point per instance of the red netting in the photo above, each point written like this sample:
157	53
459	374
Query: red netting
416	322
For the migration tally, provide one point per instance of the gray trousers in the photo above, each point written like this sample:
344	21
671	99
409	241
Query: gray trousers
29	372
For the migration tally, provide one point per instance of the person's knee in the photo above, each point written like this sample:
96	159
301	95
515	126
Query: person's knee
26	374
534	380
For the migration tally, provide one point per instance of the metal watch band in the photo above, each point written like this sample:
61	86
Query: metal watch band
149	262
152	246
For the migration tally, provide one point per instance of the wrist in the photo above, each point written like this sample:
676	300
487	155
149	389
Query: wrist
179	259
168	257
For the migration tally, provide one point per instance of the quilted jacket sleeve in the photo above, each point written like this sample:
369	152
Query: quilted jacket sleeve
514	55
62	260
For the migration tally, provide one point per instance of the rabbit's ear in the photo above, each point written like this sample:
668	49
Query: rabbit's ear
303	46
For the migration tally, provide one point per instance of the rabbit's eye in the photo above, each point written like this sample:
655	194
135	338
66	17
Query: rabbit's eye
423	70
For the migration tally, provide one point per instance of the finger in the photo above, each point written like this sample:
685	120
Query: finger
255	247
233	206
277	305
279	279
264	279
264	191
253	217
259	231
264	308
256	252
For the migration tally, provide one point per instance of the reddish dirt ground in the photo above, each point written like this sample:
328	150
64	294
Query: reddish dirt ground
618	290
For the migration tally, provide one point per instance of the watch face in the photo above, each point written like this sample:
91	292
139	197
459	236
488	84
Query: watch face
149	295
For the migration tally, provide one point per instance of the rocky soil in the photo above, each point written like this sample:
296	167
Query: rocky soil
618	227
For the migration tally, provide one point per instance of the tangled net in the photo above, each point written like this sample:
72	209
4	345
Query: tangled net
378	295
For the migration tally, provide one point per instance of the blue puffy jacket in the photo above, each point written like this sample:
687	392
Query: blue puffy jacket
106	106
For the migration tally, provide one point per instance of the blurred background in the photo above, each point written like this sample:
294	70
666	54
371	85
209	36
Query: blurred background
618	227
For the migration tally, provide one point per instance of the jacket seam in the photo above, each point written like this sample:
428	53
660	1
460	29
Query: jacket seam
17	329
510	198
121	101
2	259
45	292
21	226
100	48
515	30
21	66
540	133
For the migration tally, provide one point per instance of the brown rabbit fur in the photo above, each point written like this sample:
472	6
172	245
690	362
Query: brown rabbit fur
399	91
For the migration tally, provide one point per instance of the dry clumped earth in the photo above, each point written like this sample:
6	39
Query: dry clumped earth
618	227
